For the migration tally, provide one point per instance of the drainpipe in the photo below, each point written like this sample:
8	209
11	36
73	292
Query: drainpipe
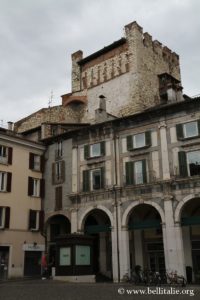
116	207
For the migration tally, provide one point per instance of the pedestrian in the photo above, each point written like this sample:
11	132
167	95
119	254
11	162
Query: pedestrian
44	266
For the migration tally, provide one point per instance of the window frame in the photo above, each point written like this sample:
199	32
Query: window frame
188	165
3	217
185	131
134	140
4	183
36	187
92	179
37	220
91	150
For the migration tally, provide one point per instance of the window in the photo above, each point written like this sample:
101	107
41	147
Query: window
93	179
35	162
35	220
94	150
36	187
83	255
5	181
136	172
5	155
138	140
65	256
188	130
4	217
59	150
58	172
189	163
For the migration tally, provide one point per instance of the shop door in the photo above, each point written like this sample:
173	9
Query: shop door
4	255
196	265
32	263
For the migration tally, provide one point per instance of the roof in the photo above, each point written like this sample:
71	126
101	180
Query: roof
94	55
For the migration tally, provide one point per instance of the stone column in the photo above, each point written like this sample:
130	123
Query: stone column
164	151
124	252
102	254
74	220
187	247
114	248
74	170
172	239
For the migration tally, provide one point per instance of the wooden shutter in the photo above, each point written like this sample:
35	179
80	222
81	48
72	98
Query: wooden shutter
10	155
32	219
86	181
148	138
182	164
179	131
103	150
30	186
144	171
129	142
129	173
86	151
63	170
42	163
198	124
41	220
102	177
42	188
58	198
31	161
7	217
9	182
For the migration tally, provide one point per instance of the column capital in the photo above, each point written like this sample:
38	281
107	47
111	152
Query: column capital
162	124
168	198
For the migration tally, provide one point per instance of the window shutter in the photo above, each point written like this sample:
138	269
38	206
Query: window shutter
31	161
42	162
129	142
179	131
148	138
86	181
53	173
182	164
63	171
103	152
9	182
10	155
198	124
41	220
7	217
42	188
58	198
144	171
30	186
102	177
129	172
86	151
32	219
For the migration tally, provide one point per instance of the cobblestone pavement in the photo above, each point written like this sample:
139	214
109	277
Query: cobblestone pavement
51	290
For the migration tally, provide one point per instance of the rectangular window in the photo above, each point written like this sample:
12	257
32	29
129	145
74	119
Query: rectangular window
3	151
34	218
2	217
36	163
58	170
136	172
95	150
139	140
59	149
193	162
83	255
3	181
36	187
93	179
190	129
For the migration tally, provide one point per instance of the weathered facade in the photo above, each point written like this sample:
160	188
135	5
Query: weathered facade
133	183
21	211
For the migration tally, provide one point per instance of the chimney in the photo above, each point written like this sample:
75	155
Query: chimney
10	125
102	102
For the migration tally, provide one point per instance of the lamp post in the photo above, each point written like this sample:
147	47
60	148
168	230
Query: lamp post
117	231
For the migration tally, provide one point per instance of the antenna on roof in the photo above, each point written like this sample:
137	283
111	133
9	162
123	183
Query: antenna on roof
50	99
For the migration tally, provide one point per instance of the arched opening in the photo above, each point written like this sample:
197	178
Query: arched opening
98	225
146	239
190	222
55	226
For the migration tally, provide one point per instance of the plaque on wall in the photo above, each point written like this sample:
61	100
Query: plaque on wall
83	255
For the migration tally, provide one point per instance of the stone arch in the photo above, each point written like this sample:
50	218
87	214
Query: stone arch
178	210
54	214
134	204
88	210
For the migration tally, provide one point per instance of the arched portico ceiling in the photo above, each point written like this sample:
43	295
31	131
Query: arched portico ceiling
129	209
89	210
181	205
